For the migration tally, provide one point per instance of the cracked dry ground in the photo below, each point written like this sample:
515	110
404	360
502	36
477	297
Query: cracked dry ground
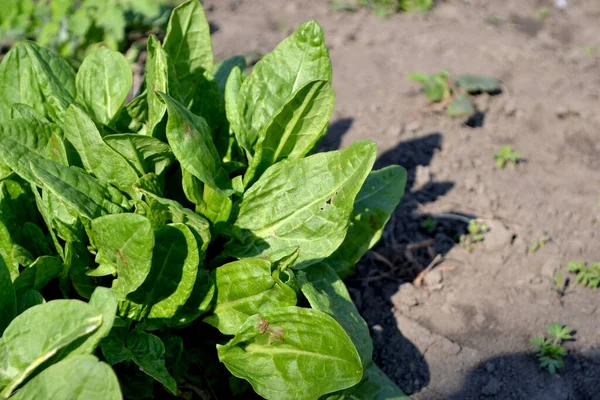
463	333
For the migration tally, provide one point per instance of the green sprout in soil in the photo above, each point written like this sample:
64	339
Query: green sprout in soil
539	243
559	284
383	8
475	233
455	94
507	155
429	224
550	352
542	13
588	276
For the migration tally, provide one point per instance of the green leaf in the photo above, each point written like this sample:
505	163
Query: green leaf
144	153
373	206
105	301
232	108
461	106
199	302
81	377
134	116
148	352
479	84
77	189
245	288
8	298
126	242
303	203
103	82
295	129
28	298
20	80
38	274
55	79
375	385
175	261
215	207
326	292
98	158
189	46
78	262
191	141
157	80
292	353
23	141
223	69
23	348
297	60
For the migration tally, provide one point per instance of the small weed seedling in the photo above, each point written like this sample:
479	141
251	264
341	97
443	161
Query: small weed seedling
539	243
542	13
429	225
475	233
507	155
550	352
559	284
455	94
586	275
383	8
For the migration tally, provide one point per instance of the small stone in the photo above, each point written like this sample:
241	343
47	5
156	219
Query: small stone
406	295
498	238
490	367
437	287
492	388
377	328
422	176
510	108
413	126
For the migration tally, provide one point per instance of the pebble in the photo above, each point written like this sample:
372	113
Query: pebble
377	328
413	126
490	367
493	387
433	278
498	237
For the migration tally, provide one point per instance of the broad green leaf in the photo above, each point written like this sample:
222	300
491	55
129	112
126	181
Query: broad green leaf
125	241
157	80
303	203
144	153
461	106
19	110
8	298
103	81
19	79
82	377
77	189
375	385
326	292
373	206
479	84
25	345
222	70
78	261
134	116
215	207
245	288
292	353
23	141
28	298
55	79
34	239
198	303
38	274
232	108
98	158
105	301
300	58
295	129
189	46
191	141
148	352
175	261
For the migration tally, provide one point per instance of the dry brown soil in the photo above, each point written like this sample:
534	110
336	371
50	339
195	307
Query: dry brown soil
464	332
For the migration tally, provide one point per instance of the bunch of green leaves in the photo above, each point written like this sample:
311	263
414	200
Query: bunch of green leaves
550	351
586	275
475	233
383	8
191	239
455	94
70	26
507	155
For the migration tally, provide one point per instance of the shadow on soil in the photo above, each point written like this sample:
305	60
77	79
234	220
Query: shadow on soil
517	377
404	250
